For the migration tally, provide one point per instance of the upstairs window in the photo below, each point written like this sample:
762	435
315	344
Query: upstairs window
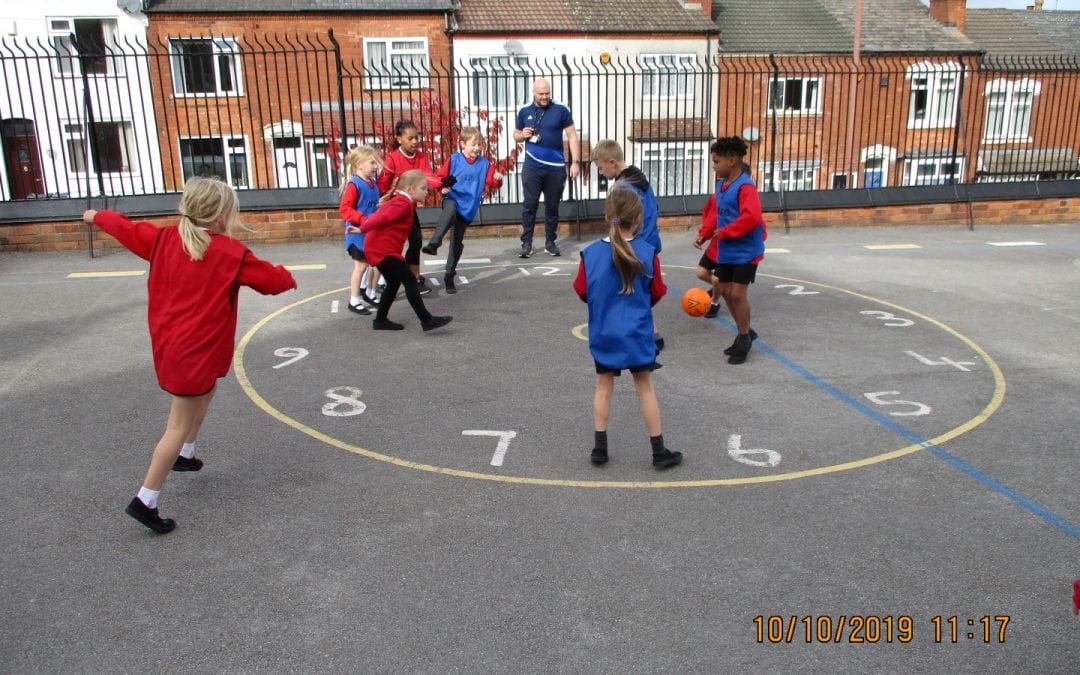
400	63
1008	109
667	75
205	66
94	40
933	95
795	95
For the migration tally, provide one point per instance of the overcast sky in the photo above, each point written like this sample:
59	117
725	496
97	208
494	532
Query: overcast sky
1021	4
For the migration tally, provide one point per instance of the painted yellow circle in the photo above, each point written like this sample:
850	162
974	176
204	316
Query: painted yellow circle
990	408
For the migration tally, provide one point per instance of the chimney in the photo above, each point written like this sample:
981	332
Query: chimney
1037	7
704	5
949	13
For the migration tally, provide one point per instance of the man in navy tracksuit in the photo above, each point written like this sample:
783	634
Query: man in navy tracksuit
540	126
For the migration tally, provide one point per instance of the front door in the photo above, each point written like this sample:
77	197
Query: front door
22	159
290	162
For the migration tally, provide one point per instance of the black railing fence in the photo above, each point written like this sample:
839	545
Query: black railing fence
275	112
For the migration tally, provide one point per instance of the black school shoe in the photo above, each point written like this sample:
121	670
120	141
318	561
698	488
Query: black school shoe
421	285
598	456
713	311
740	349
731	350
359	309
666	459
430	249
386	324
437	322
187	464
149	517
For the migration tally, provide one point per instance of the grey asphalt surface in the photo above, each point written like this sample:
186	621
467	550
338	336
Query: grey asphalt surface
386	541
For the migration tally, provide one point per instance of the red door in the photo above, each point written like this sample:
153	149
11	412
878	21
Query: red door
21	156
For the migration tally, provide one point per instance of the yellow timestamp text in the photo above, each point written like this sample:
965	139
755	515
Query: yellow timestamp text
874	628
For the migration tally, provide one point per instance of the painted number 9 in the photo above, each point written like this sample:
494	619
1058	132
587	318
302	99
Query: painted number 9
294	354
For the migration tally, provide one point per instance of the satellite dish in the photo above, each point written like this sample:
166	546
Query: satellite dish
129	6
513	47
751	134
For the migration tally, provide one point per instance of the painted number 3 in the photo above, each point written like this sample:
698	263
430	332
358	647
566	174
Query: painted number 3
343	406
889	319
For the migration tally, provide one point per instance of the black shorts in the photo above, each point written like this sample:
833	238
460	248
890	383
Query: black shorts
603	370
707	263
356	254
740	274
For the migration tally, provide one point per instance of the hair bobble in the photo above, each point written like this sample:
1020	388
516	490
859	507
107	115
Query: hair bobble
615	221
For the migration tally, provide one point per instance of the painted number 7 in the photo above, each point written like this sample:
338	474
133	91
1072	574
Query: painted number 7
504	442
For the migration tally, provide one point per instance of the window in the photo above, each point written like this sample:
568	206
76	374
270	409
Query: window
667	75
842	181
111	152
933	171
205	66
674	168
795	95
933	95
796	176
1008	109
396	64
499	82
221	157
94	40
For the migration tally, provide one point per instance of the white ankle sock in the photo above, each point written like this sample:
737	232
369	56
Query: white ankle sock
188	451
355	300
149	497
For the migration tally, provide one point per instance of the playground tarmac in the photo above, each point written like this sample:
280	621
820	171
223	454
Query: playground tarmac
888	484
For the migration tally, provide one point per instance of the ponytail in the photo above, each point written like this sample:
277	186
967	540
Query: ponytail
623	212
206	202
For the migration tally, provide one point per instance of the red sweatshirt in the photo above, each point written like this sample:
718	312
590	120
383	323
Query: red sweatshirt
397	163
191	304
388	228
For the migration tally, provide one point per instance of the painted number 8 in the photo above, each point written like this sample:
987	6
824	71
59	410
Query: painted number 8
344	406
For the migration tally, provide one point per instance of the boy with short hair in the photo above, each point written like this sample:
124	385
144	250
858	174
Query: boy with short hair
740	238
611	164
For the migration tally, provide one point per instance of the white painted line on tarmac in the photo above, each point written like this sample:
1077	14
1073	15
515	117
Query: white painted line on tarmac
463	280
315	266
463	261
95	275
777	250
1016	243
334	307
890	247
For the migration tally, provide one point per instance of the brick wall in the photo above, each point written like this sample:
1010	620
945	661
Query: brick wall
280	227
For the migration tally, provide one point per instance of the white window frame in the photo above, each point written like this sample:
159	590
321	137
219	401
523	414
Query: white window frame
224	51
939	84
77	148
227	150
912	165
852	180
667	76
809	96
690	159
790	178
499	82
67	63
383	76
1012	94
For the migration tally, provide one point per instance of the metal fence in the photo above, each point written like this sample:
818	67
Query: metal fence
125	118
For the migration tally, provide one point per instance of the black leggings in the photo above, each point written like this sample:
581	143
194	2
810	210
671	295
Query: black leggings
397	273
416	240
448	219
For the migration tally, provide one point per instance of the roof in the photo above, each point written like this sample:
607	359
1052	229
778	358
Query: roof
1006	32
582	16
828	26
278	6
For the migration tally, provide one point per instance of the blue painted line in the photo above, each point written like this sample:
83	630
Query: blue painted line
1043	513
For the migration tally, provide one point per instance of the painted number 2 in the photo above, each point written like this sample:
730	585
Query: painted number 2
796	289
343	406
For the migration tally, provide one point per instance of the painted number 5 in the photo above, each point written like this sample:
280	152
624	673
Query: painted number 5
919	409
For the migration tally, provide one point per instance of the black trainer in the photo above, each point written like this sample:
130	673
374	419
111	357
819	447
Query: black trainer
551	249
666	459
449	281
359	309
598	456
430	249
659	342
149	517
731	350
421	285
386	324
526	251
740	349
437	322
187	463
713	310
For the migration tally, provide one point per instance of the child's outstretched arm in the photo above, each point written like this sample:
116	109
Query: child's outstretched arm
139	238
264	277
347	208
